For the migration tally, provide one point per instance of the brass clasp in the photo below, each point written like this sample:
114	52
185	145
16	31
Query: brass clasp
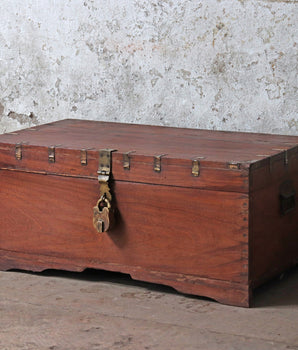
105	164
84	157
196	166
103	213
157	163
126	160
18	151
51	153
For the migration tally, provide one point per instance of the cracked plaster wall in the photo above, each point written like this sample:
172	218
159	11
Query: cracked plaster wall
229	65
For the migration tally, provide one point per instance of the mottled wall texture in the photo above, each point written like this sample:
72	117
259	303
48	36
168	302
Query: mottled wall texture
212	64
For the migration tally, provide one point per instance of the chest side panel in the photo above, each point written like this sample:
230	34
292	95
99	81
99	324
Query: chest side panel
161	228
274	217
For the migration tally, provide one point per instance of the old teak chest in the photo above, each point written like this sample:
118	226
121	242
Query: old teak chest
209	213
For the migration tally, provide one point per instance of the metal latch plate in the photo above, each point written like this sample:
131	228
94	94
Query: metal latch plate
105	164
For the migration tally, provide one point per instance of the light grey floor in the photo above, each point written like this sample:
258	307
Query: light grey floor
96	310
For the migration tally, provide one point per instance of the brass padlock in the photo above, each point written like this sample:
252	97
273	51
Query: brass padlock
103	215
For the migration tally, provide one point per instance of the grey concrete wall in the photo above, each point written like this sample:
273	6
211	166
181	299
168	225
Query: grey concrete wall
226	64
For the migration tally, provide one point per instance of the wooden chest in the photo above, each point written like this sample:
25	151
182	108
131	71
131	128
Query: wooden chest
209	213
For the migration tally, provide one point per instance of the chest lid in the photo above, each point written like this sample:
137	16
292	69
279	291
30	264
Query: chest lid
215	160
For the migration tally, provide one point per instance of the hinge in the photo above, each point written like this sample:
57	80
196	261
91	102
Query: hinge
157	163
18	151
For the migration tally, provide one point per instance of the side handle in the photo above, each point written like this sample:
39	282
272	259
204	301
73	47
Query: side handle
287	197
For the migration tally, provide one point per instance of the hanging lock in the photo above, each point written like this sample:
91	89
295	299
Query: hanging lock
103	215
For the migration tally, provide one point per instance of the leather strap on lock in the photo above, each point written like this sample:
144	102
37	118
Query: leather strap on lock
103	211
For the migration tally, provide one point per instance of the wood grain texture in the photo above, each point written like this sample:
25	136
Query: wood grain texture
159	228
225	292
216	150
216	146
273	236
175	172
219	234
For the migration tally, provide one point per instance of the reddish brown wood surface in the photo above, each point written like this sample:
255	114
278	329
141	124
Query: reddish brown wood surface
273	236
225	292
159	228
216	150
174	172
218	234
147	140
